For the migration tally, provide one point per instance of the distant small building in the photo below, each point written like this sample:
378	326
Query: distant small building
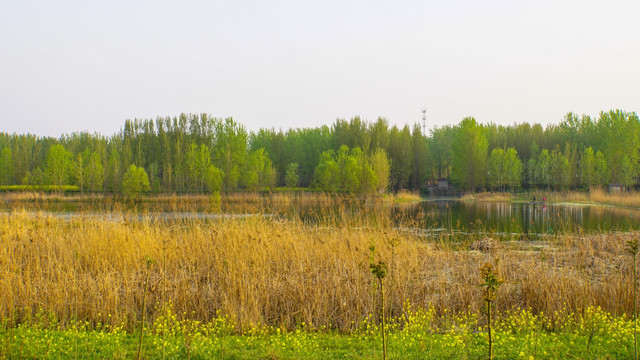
443	185
616	188
440	187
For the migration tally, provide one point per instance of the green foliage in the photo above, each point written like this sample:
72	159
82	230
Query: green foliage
230	152
36	177
552	170
532	174
94	173
379	270
135	181
381	167
504	169
114	177
587	168
440	150
291	178
88	172
198	162
419	155
491	281
215	201
6	166
619	139
400	154
367	177
346	171
214	178
176	151
301	146
626	171
379	134
259	173
600	171
326	173
58	165
513	169
495	169
559	171
469	155
631	247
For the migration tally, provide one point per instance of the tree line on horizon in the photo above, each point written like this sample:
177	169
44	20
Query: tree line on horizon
195	153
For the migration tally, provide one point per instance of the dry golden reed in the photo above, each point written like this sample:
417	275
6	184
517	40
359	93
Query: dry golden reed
486	196
406	196
265	270
599	196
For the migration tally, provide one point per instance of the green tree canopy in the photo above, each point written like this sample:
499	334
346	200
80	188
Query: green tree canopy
381	167
326	173
469	155
94	172
6	166
587	168
214	179
177	151
259	173
513	168
291	177
496	177
58	165
135	181
347	171
198	161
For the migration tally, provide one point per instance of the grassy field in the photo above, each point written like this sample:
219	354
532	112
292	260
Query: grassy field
250	287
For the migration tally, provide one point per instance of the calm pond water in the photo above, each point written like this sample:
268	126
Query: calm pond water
532	218
431	216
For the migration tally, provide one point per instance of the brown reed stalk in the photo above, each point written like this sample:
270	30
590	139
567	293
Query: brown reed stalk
276	271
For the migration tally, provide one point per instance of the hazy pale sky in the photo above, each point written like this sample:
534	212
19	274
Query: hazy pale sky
88	65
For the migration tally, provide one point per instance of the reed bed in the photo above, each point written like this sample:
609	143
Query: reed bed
594	195
599	196
487	196
276	272
406	196
27	195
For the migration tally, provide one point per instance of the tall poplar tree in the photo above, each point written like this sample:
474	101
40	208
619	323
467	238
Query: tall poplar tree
469	155
6	166
380	165
58	165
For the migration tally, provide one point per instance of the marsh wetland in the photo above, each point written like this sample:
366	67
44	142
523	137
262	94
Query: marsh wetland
288	277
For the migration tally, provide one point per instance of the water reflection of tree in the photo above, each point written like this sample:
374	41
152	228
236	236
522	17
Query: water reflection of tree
536	218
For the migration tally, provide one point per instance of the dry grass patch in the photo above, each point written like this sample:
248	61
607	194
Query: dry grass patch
406	196
598	196
268	271
486	196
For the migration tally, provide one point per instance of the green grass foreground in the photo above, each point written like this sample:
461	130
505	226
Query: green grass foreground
594	334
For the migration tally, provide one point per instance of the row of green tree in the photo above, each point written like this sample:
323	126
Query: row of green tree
199	153
580	152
